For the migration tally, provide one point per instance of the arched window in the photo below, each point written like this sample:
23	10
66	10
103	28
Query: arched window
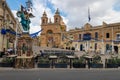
49	32
56	20
43	21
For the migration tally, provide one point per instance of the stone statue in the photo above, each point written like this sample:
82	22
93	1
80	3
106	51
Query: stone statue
24	49
25	18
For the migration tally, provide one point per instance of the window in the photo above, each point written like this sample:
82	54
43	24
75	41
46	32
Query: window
108	48
87	36
79	36
95	46
107	35
49	32
8	17
56	20
96	35
118	36
43	21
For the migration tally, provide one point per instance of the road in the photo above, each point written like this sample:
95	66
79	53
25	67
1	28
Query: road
59	74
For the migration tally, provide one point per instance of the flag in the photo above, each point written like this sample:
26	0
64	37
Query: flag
89	18
33	35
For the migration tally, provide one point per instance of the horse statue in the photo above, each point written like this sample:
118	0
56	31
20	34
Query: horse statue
25	19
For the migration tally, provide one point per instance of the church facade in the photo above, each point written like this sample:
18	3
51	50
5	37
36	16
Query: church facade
51	35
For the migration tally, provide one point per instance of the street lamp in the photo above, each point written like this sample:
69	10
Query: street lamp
112	42
15	47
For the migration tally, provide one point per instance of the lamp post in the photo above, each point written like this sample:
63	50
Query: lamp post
112	41
103	42
16	36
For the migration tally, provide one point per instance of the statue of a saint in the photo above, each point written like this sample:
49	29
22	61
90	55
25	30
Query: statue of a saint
24	48
25	18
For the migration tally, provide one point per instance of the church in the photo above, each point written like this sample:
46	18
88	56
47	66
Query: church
51	35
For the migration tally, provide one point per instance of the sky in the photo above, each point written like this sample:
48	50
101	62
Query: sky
73	12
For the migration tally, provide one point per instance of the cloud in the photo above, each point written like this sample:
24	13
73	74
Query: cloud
14	13
75	12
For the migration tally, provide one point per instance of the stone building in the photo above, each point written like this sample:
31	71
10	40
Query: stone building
102	39
51	35
8	25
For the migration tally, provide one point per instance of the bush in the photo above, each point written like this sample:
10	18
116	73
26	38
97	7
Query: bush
112	61
43	60
79	60
96	59
7	60
62	60
118	61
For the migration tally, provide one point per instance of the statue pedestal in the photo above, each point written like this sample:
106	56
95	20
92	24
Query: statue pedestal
24	62
25	54
24	45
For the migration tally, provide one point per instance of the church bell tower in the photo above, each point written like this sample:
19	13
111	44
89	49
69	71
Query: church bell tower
44	19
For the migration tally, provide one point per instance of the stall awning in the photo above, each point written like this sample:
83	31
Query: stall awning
52	57
88	57
71	57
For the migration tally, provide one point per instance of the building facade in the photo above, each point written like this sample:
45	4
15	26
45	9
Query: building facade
51	35
102	39
8	26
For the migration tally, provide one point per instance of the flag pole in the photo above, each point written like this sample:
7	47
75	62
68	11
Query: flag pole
89	18
103	52
112	42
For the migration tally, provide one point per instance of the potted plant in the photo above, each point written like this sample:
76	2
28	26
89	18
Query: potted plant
112	62
96	62
61	63
7	62
79	62
118	61
43	63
